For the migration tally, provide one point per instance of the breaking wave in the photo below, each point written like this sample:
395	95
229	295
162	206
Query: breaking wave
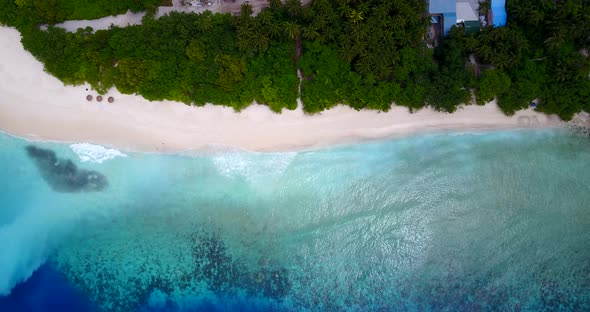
95	153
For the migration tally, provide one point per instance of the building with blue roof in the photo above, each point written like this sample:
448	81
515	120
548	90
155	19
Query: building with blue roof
447	13
499	13
444	13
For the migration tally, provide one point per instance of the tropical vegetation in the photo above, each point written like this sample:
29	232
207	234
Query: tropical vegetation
363	53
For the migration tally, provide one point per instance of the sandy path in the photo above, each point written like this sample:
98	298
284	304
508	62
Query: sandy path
130	18
35	105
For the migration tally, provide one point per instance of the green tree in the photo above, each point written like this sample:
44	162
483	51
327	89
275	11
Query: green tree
246	10
292	29
132	74
195	51
204	23
445	92
231	71
502	47
275	4
294	7
48	11
23	3
491	83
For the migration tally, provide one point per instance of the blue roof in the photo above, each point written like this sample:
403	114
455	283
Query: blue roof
442	6
499	13
450	19
448	8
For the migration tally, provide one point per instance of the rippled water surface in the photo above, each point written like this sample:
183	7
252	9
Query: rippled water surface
445	222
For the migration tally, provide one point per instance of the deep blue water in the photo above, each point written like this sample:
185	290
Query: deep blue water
496	221
46	290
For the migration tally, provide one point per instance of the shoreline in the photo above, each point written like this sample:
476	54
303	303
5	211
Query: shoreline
37	106
214	148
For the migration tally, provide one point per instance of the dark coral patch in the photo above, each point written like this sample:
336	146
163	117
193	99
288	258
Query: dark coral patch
63	175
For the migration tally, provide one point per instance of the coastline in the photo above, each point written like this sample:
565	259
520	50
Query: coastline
36	106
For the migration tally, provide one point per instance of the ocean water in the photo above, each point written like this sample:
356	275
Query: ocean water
492	221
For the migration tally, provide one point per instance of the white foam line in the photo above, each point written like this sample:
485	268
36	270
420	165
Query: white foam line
95	153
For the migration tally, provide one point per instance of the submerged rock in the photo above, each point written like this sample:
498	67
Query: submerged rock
63	175
580	123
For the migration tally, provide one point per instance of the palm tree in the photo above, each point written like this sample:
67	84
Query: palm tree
256	23
363	7
204	23
244	30
359	32
244	44
471	43
364	66
275	4
404	39
518	11
398	23
246	9
292	29
261	41
310	33
355	16
329	35
561	72
387	39
485	52
294	7
320	4
501	61
457	33
346	52
275	30
342	3
554	42
319	23
265	17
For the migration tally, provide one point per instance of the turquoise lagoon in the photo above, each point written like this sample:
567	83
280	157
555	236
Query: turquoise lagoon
438	222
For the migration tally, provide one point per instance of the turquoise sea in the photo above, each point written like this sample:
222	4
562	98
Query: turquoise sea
490	221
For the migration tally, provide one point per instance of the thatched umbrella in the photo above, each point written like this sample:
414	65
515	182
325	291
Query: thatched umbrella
111	99
89	98
99	98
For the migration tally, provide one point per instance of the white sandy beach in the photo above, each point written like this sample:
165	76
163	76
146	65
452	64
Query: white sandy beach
37	106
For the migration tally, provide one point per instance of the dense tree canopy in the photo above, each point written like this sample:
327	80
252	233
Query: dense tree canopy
362	53
541	54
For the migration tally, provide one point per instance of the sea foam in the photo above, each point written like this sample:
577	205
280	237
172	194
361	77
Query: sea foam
95	153
255	167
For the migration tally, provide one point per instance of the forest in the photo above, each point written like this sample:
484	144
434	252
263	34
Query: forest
366	54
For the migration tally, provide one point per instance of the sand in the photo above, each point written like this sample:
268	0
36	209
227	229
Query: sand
129	18
36	106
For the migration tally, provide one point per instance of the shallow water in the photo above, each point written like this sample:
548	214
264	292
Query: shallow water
445	222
